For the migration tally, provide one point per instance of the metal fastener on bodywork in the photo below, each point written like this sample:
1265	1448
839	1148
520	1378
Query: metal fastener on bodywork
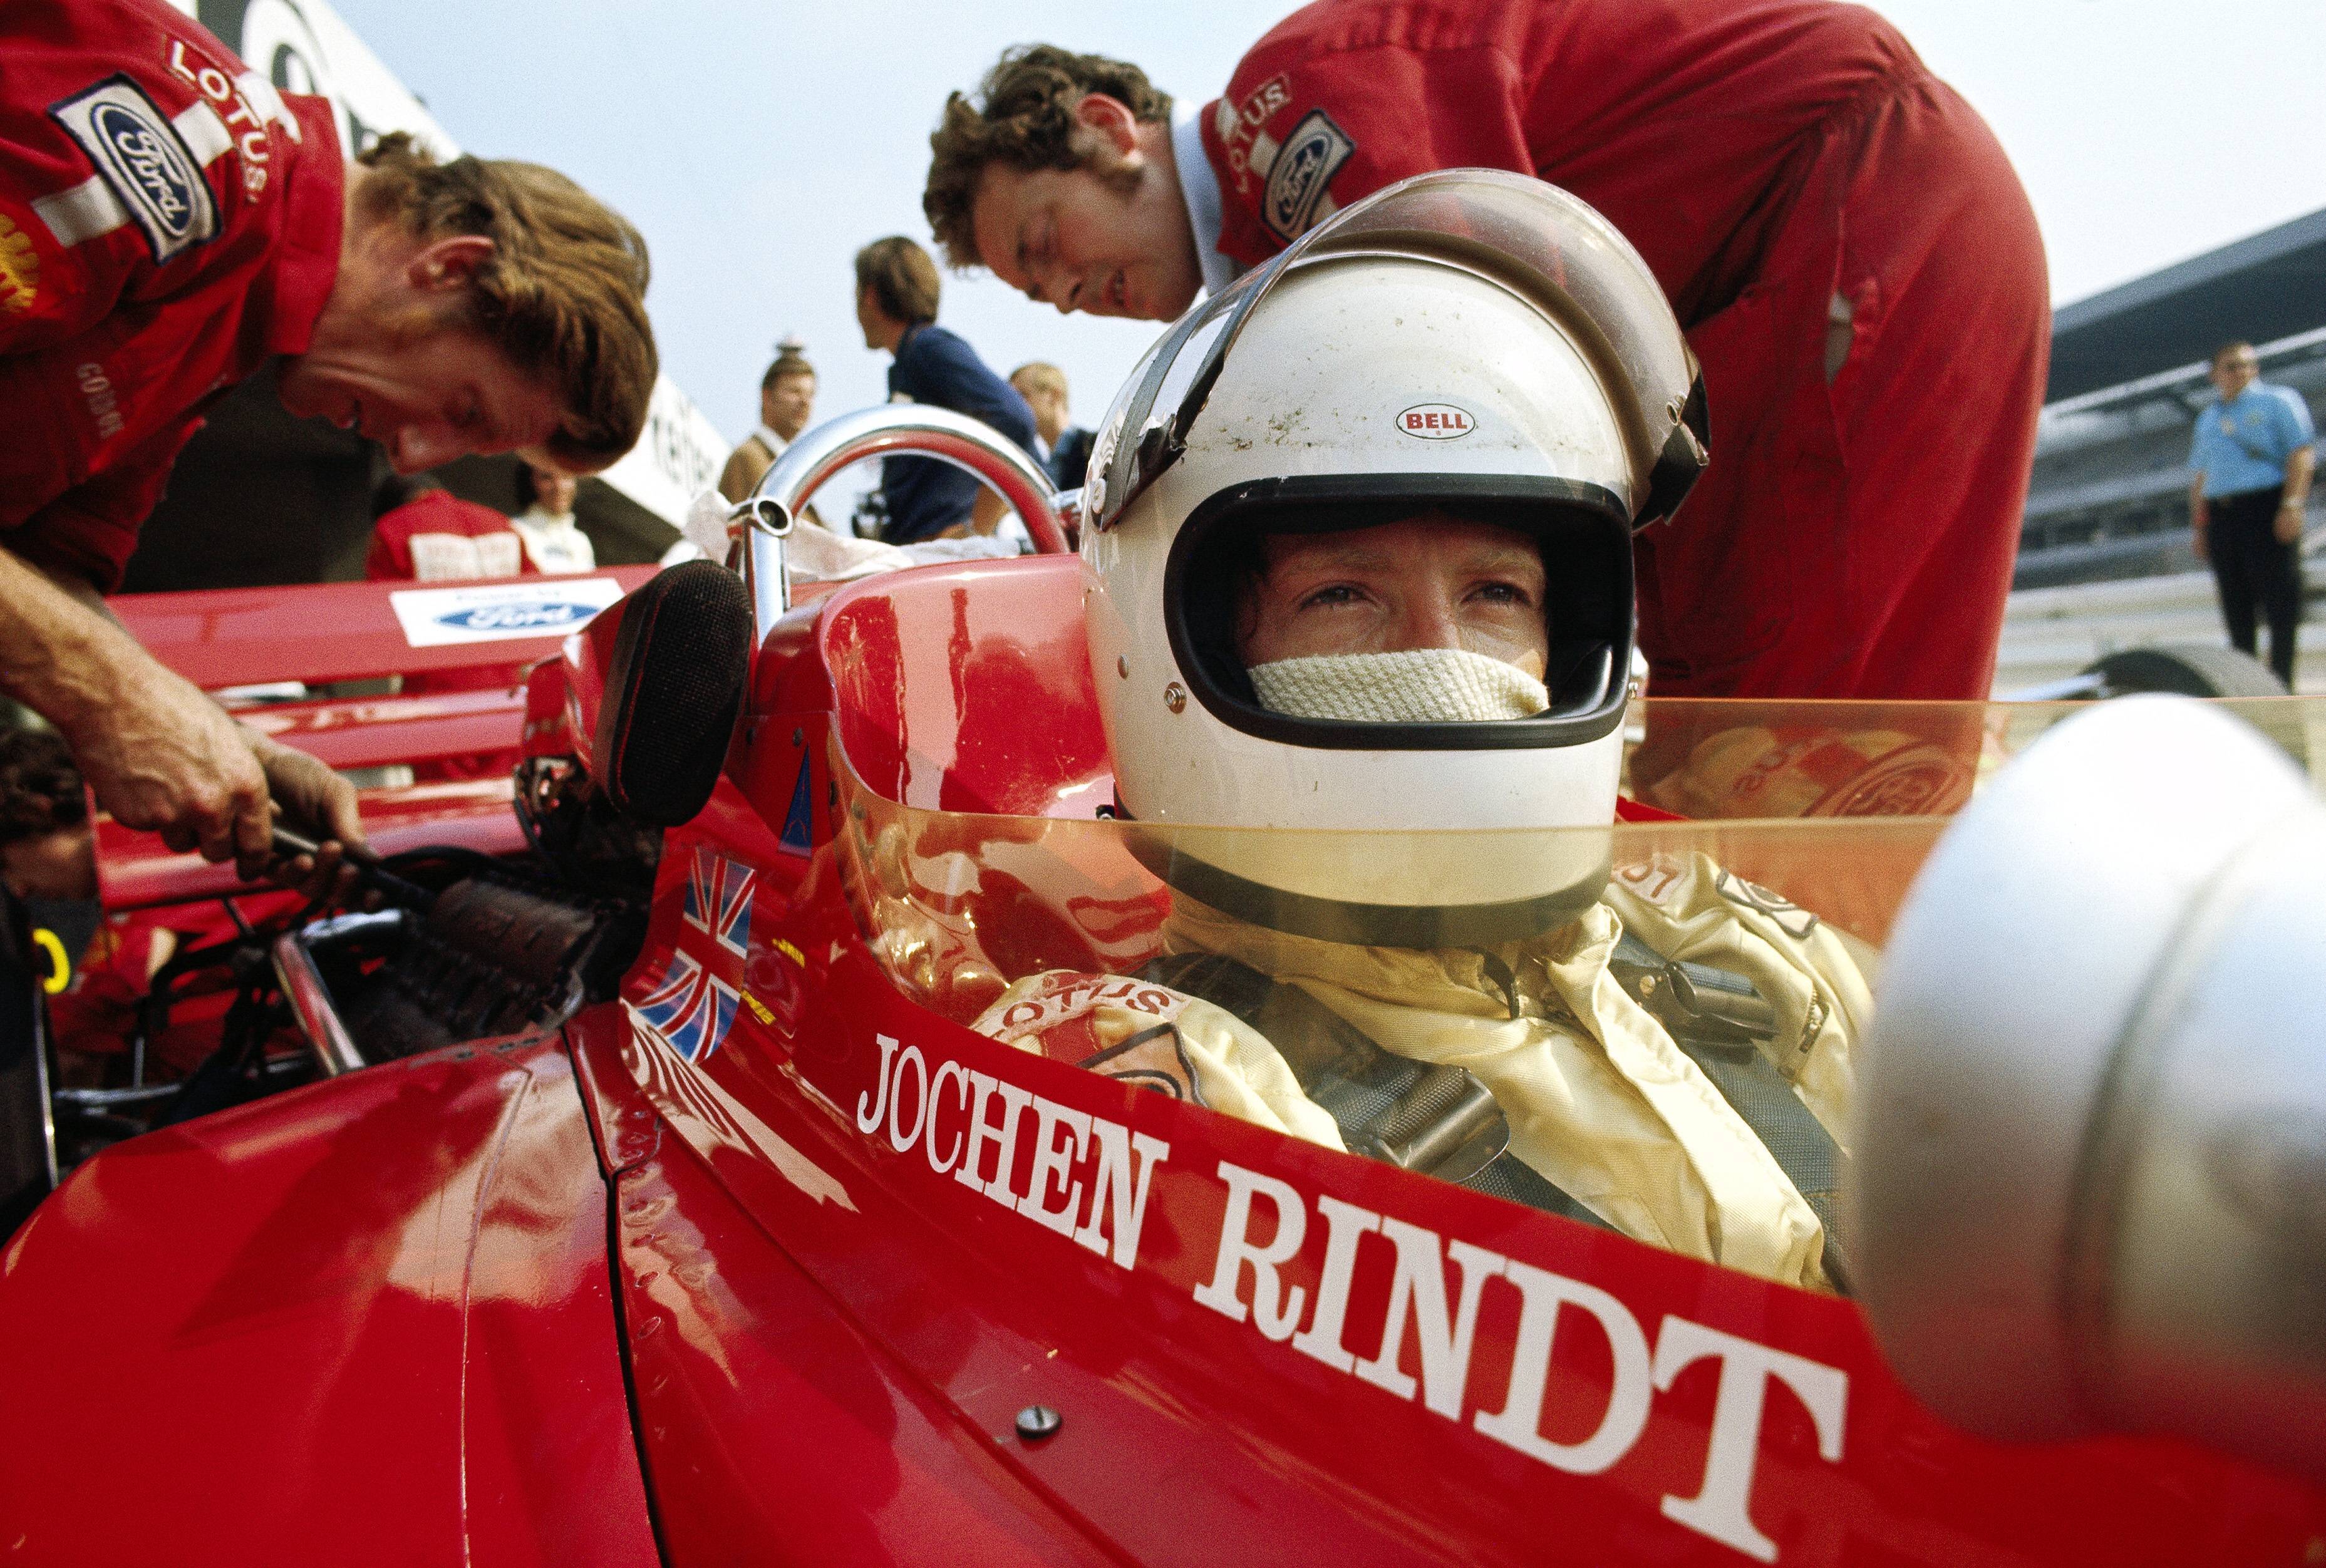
1036	1421
1122	665
1175	697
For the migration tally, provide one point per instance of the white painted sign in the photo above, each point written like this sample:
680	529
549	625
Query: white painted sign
500	612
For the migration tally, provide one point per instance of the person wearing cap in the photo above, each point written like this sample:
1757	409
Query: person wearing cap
1847	247
787	403
170	224
1316	602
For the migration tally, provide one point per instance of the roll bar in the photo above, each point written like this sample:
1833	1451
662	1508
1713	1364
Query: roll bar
902	429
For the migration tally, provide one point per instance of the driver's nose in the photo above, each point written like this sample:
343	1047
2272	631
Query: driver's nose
1426	620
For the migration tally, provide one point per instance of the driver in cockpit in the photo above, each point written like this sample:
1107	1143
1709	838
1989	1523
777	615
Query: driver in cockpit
1360	646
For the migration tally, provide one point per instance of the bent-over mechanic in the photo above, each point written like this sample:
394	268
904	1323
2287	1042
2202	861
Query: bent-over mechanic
169	224
1856	264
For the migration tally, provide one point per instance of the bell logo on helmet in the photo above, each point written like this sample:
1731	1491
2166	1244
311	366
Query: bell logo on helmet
1436	421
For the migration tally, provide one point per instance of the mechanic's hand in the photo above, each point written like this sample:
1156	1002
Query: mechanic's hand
313	799
2287	525
162	756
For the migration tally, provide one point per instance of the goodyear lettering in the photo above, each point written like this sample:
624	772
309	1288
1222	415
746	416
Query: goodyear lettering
1442	1327
1086	1178
677	453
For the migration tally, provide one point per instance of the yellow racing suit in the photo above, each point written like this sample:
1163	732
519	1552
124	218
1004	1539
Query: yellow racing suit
1600	1099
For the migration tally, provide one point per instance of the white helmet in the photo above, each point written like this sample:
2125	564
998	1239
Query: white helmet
1469	341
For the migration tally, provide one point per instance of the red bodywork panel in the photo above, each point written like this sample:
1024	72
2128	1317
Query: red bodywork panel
366	1322
1687	1413
139	871
347	631
335	631
832	1313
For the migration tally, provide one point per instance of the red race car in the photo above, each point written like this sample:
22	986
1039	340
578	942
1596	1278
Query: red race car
825	1121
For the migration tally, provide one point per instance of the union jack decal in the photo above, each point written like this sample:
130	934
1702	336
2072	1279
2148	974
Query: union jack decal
718	900
691	1008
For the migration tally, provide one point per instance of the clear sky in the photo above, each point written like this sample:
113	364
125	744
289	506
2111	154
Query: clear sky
757	145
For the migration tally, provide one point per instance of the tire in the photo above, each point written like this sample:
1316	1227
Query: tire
2188	670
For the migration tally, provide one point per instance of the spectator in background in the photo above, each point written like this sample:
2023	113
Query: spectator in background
426	534
553	542
1065	448
2254	453
787	403
896	306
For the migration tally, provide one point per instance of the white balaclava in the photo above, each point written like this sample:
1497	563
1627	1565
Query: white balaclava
1416	686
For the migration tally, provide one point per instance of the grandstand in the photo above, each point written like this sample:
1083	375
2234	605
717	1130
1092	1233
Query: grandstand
2104	558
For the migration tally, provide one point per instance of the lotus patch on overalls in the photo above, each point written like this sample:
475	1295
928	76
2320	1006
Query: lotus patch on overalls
143	161
1304	165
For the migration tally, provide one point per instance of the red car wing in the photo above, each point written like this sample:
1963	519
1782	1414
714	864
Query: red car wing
370	1321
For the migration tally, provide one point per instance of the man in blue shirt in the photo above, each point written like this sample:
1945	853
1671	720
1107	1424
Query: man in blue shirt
2253	455
896	306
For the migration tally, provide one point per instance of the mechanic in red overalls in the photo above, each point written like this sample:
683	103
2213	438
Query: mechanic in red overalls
1856	264
168	223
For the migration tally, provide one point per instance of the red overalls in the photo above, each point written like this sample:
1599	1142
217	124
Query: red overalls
167	224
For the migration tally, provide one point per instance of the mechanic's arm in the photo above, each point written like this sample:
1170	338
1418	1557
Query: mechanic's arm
2196	515
2301	467
158	753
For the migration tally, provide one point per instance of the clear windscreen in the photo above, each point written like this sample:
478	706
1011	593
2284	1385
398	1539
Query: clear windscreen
1730	758
1669	1050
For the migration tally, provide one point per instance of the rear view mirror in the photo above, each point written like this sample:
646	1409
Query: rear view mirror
674	687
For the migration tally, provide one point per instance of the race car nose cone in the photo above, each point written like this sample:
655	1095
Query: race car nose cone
2089	1179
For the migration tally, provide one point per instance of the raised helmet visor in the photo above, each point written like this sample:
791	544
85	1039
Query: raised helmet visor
1535	241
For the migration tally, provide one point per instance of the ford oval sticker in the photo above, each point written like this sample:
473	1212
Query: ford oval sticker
492	612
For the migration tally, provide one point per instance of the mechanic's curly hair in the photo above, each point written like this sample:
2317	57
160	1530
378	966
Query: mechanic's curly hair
563	293
40	786
1022	116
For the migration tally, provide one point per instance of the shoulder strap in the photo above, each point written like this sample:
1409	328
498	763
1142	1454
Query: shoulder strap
1439	1120
1718	1021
